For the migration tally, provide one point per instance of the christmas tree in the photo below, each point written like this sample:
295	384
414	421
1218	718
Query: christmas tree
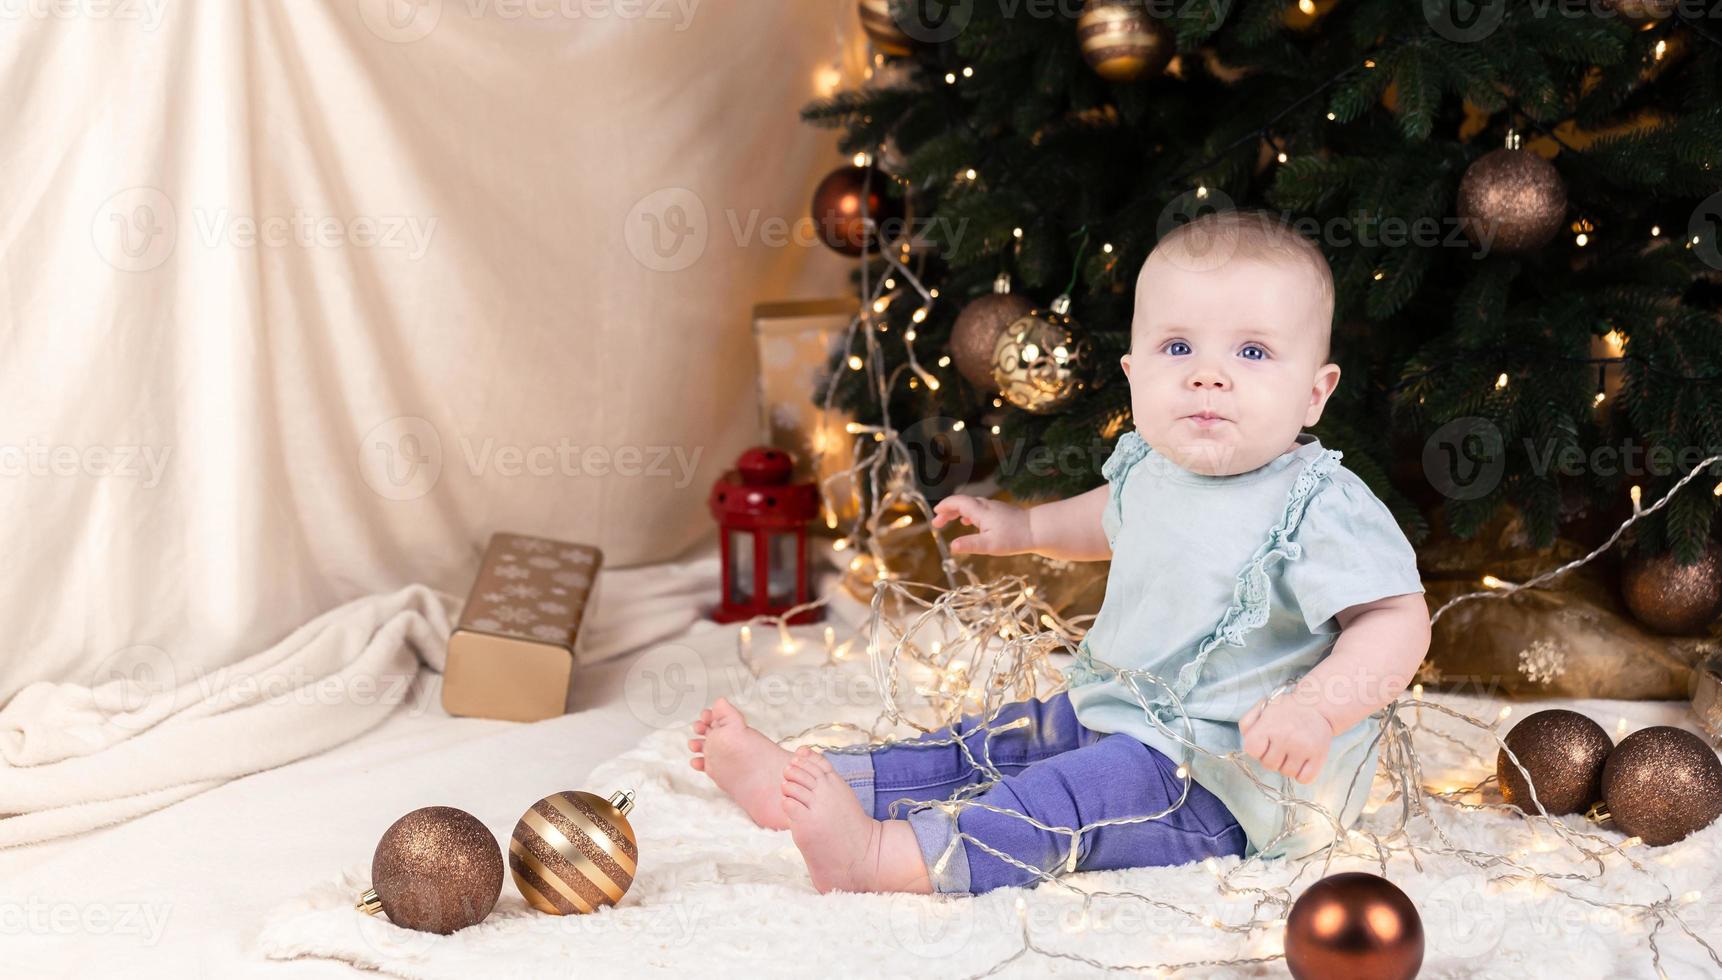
1519	202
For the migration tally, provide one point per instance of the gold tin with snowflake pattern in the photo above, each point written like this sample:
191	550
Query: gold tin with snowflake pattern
513	655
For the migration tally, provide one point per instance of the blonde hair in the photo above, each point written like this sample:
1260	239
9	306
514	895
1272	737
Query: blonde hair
1216	238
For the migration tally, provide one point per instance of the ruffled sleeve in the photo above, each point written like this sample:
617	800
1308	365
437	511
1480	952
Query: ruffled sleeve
1130	450
1353	553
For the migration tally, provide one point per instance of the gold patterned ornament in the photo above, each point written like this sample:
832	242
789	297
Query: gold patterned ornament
882	28
1661	784
976	332
1672	598
437	869
573	852
1038	360
1511	200
1121	42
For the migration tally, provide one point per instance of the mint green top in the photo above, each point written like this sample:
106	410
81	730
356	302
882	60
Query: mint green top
1225	588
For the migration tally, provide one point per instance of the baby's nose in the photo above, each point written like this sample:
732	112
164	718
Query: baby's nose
1208	380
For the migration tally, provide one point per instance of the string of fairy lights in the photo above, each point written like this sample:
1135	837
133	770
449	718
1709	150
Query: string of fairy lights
964	648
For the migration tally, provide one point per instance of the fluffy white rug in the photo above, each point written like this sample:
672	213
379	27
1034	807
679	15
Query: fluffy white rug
718	896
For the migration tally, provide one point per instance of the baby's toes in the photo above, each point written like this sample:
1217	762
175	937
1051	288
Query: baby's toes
797	791
820	765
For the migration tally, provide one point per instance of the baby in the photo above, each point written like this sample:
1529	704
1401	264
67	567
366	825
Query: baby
1261	603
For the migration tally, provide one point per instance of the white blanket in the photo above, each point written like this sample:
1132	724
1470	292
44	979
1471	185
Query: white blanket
155	731
717	896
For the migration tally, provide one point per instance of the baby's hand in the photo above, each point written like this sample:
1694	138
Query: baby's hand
1287	737
1004	528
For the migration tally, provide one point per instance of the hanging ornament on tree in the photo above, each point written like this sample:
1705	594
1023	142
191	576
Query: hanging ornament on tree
1121	42
574	852
1512	200
1354	924
1038	360
437	869
1641	9
1564	752
1672	598
976	332
882	28
838	215
1661	784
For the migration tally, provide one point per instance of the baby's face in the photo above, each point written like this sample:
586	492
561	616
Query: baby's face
1227	364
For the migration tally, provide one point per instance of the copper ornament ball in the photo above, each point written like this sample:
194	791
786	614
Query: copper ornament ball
1512	200
573	853
1564	752
1354	926
837	209
1661	784
1668	597
437	869
1121	42
976	334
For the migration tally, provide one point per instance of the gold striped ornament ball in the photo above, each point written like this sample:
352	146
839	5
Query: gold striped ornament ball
573	852
882	28
1121	42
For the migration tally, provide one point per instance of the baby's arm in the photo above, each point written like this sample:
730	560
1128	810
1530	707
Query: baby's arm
1380	646
1065	529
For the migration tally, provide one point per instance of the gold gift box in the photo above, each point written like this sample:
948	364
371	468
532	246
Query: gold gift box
512	656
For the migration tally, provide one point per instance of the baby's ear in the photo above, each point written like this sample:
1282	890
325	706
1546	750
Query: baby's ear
1125	361
1326	380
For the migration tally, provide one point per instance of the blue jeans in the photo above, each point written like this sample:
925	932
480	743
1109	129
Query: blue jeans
1057	772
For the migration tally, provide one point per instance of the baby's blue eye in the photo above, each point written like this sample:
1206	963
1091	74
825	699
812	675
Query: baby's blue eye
1177	348
1253	352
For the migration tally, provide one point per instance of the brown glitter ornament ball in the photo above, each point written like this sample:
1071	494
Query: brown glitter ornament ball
1354	926
1564	752
574	852
837	209
1121	42
882	28
437	869
1662	783
1512	200
1672	598
976	332
1039	360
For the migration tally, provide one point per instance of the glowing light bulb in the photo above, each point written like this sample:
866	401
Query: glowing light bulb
1501	382
855	362
959	425
1282	157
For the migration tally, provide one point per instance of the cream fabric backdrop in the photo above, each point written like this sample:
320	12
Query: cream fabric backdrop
301	300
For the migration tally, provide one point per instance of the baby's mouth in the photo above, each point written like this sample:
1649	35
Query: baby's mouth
1206	418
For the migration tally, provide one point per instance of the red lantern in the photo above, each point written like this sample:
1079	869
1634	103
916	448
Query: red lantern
762	519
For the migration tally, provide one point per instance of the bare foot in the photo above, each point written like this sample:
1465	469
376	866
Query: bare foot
742	761
845	849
